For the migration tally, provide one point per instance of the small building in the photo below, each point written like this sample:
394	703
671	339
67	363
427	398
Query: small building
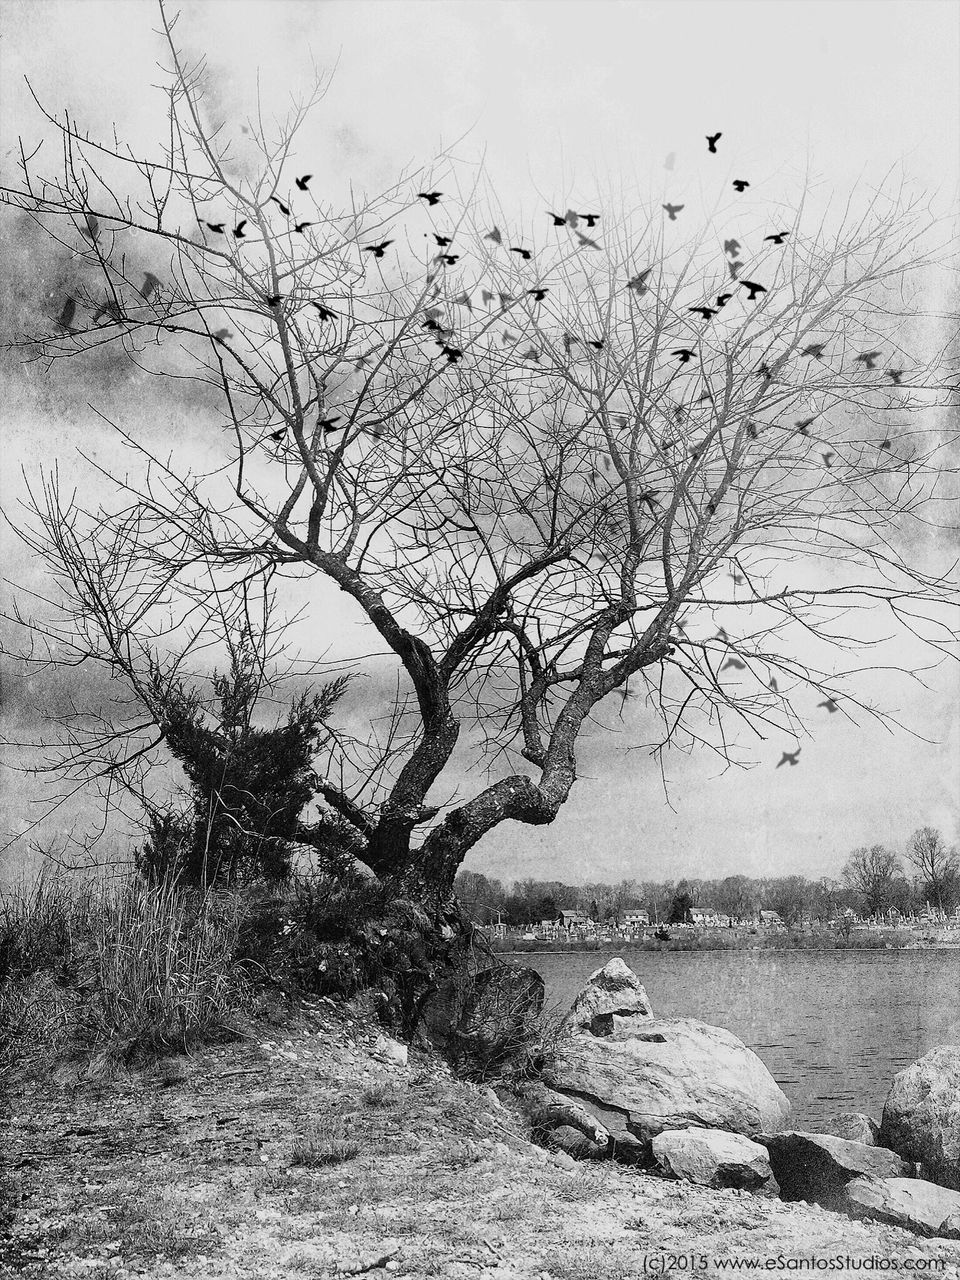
573	920
703	916
636	919
770	918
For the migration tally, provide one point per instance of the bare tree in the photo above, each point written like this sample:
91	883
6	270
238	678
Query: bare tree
615	464
875	874
937	866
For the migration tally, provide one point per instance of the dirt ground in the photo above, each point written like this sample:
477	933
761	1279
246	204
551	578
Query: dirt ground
297	1153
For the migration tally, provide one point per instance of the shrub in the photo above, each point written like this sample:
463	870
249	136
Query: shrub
315	1150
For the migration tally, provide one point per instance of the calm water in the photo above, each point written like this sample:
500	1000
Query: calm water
833	1027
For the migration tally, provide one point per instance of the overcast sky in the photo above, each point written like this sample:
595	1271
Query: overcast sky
558	97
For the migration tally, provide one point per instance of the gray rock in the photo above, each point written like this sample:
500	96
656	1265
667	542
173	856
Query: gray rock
921	1116
549	1110
389	1050
613	1003
713	1158
855	1127
817	1166
566	1138
672	1074
920	1206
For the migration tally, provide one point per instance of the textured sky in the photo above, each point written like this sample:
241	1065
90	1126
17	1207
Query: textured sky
555	97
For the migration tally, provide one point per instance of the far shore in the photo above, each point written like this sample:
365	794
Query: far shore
740	940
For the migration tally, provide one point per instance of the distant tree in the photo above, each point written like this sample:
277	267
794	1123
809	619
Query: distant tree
874	873
680	906
937	866
480	897
789	896
736	896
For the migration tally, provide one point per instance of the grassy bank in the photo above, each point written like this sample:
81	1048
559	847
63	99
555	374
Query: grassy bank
296	1152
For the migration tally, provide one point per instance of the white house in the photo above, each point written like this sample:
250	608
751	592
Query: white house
573	920
770	918
704	915
636	919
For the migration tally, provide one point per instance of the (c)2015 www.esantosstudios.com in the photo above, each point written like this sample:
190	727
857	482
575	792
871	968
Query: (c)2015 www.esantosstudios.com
665	1263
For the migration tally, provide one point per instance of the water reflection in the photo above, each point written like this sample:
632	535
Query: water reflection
832	1026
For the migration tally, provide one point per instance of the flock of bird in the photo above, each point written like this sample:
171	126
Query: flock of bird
445	336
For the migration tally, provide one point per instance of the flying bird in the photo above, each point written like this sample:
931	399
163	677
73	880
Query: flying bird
712	140
538	294
722	635
684	354
828	458
778	238
494	235
431	197
221	335
378	249
506	299
216	228
776	689
151	284
740	185
525	254
868	359
568	341
442	241
302	226
507	338
238	232
281	206
596	343
734	268
639	282
752	430
803	423
896	376
591	219
486	296
448	259
830	704
706	312
732	247
585	242
453	354
65	318
790	757
274	299
464	301
92	225
723	299
328	424
815	349
559	219
324	312
754	289
277	436
531	354
302	182
672	210
735	663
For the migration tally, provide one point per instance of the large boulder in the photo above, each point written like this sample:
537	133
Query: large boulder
671	1074
713	1158
913	1203
921	1116
854	1126
817	1166
613	1003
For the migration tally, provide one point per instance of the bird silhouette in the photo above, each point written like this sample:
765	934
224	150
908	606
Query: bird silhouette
885	444
328	424
506	299
151	284
302	226
92	226
277	436
732	247
712	140
324	312
828	458
734	268
803	425
684	354
706	312
752	430
573	219
723	299
711	507
531	353
585	242
778	238
494	235
591	219
596	343
507	338
722	635
273	299
896	376
281	206
486	296
638	283
442	241
814	349
559	219
740	185
221	335
790	757
431	197
378	249
649	496
735	663
672	210
65	318
525	254
238	232
302	182
776	689
464	301
868	359
453	354
568	341
538	294
216	228
448	259
754	289
830	704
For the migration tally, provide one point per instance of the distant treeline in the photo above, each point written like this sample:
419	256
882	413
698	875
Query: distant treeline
874	882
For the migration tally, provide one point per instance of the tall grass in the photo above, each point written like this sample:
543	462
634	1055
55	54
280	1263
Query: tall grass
126	972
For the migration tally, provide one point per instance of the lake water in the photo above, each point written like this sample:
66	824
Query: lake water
833	1027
